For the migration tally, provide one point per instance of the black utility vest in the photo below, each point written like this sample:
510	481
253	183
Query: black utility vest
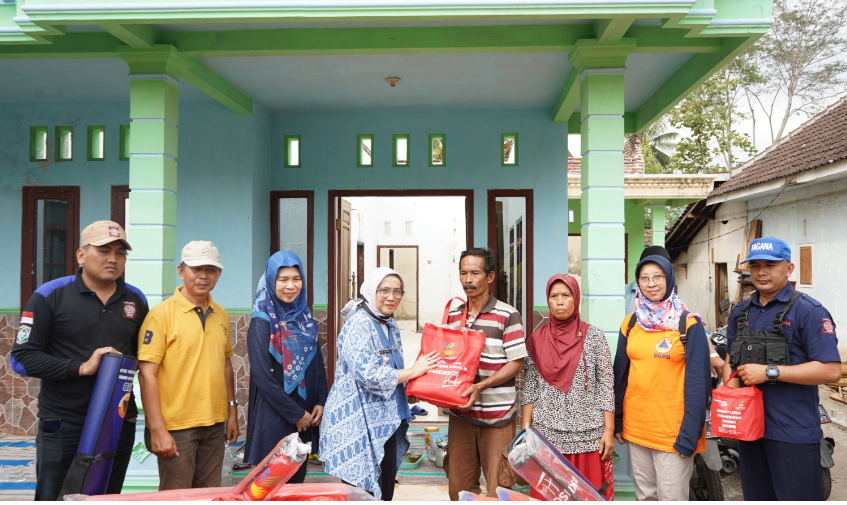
768	347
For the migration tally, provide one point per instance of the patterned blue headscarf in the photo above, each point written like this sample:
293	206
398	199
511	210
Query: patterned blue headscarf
294	334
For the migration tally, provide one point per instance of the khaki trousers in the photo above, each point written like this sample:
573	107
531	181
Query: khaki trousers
472	447
659	475
200	460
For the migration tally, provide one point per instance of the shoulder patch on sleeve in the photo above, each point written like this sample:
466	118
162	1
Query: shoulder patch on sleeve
23	334
828	326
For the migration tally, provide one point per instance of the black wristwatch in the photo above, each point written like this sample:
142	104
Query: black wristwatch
772	373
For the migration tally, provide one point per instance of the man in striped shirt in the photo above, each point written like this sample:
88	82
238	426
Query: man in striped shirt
481	429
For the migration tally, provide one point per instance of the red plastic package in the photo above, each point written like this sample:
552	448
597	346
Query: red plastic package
275	470
320	492
460	350
512	495
738	413
535	459
198	494
468	496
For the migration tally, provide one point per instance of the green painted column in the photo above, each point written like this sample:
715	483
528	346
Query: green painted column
601	80
658	224
154	114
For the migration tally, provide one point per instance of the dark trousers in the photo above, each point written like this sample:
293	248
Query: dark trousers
772	470
387	469
55	446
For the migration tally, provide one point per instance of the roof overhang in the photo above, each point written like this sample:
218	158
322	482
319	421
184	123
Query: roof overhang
819	175
657	189
678	44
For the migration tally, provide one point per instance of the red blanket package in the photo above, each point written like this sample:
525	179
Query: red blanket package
512	495
459	350
200	494
738	413
275	469
535	459
468	496
319	492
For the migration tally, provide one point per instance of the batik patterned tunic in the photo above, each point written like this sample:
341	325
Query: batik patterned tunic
361	412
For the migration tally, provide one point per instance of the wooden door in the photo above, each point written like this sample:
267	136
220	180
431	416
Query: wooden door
345	283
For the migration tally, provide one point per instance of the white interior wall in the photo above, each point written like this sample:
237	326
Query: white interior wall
438	229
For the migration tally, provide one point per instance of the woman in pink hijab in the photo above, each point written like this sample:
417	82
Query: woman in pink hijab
568	392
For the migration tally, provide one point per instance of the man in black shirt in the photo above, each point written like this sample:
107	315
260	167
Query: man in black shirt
66	328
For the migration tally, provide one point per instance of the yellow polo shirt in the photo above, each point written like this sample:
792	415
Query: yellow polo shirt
192	387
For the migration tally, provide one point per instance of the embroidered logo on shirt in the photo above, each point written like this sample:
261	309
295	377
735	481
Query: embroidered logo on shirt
129	310
787	323
113	231
23	334
27	318
662	348
828	327
148	337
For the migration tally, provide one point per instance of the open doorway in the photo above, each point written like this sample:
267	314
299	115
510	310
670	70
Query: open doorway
421	232
403	259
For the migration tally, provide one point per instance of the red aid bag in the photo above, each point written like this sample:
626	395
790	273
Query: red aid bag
460	350
738	413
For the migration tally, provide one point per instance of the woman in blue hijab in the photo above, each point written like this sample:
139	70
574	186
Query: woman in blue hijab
287	377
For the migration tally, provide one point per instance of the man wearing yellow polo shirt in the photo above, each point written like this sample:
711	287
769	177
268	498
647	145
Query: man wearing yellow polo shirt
187	386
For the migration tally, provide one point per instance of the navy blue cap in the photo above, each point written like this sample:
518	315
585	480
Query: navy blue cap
769	248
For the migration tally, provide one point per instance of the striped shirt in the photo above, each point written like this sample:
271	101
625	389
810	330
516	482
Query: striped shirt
505	342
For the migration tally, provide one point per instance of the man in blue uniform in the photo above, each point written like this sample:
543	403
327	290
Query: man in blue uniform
784	342
66	328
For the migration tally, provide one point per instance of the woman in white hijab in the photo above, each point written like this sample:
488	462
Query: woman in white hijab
363	440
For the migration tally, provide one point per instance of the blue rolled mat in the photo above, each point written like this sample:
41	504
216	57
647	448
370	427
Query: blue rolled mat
92	464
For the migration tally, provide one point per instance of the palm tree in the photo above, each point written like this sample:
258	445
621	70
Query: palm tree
659	141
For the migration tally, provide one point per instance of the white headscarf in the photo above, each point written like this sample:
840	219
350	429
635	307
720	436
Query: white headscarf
368	293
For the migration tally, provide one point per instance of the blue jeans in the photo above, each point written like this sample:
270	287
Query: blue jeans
55	446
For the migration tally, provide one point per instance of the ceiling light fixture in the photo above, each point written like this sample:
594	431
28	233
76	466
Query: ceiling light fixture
392	81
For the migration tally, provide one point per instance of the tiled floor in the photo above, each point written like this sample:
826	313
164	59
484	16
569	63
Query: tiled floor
17	467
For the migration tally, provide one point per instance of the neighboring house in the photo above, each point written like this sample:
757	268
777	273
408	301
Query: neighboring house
797	188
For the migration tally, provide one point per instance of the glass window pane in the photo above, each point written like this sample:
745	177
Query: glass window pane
510	243
38	143
51	236
64	140
366	151
294	228
294	153
124	142
437	150
509	149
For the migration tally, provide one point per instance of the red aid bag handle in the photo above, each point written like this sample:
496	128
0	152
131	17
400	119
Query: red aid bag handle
447	312
732	377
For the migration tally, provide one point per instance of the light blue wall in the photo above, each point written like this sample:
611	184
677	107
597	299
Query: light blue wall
95	178
222	194
328	160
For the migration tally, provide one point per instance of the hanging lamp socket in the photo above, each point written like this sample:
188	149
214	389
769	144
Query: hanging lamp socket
392	81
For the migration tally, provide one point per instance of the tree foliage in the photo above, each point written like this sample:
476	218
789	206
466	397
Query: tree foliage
801	59
710	114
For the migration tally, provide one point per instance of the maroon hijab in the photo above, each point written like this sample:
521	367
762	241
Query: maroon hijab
556	346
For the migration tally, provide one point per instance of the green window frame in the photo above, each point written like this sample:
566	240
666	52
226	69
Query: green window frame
506	150
96	142
291	151
123	151
396	162
64	143
436	141
364	151
38	143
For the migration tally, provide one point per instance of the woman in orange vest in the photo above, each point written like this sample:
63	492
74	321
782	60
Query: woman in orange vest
661	386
